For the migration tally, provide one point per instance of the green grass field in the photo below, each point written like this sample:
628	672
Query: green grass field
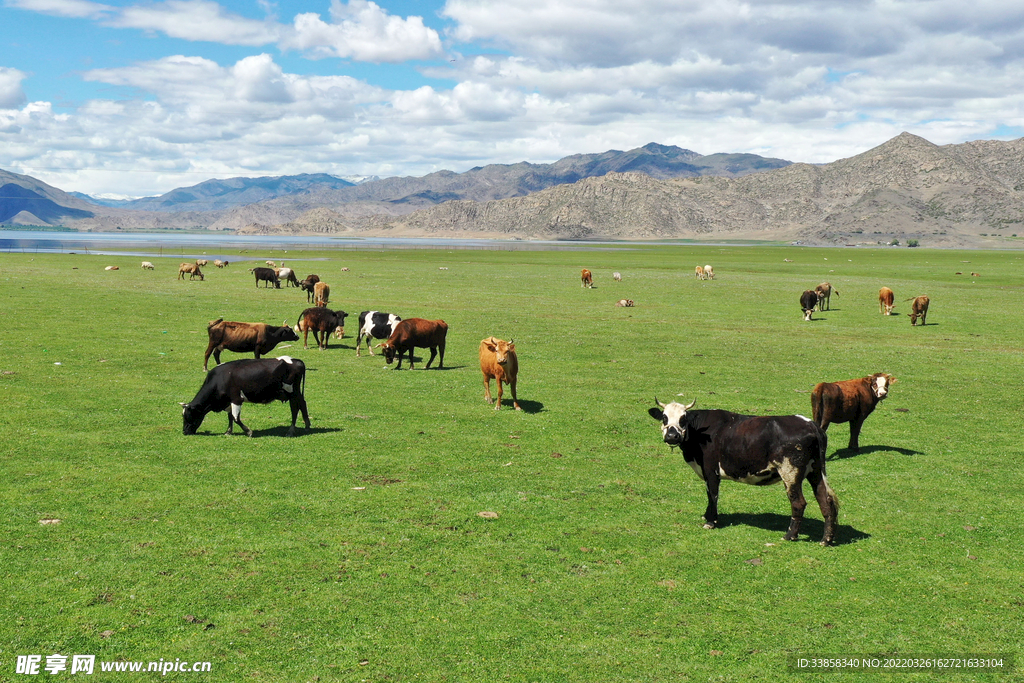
355	551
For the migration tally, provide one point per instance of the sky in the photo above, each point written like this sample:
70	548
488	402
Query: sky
136	98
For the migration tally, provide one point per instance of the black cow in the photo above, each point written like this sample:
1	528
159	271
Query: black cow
375	325
720	445
808	300
257	381
267	275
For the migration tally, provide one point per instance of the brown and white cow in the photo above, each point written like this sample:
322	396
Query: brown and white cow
698	273
587	278
287	275
498	360
416	333
192	270
849	401
321	294
885	301
825	292
919	309
808	300
624	303
259	338
709	272
321	322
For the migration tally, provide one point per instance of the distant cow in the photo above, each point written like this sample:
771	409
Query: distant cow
885	301
271	264
849	401
825	292
617	276
192	270
258	338
919	309
202	262
975	274
586	278
709	272
808	300
625	303
416	333
498	360
288	275
321	294
720	445
230	385
146	265
112	268
375	325
308	284
321	322
219	263
268	275
698	273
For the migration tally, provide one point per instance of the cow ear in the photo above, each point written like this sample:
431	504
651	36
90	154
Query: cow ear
656	414
892	380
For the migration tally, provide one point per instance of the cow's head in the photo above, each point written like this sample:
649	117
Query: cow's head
880	385
192	418
673	420
500	348
913	317
807	313
388	349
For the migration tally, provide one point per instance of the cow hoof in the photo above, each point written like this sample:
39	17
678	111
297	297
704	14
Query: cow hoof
828	543
708	525
517	407
787	537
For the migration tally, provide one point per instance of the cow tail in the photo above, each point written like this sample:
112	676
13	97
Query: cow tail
822	451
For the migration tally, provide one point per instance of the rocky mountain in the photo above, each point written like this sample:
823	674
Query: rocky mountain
216	195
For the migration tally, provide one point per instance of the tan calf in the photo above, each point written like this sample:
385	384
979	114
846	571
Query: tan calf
498	360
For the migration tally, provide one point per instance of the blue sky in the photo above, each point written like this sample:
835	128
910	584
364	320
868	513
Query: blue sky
139	97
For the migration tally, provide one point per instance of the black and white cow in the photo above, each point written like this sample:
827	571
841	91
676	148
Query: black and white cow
375	325
720	445
231	384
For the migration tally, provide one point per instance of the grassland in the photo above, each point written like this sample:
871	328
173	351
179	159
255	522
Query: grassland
355	551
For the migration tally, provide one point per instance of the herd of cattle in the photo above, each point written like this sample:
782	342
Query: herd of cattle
717	444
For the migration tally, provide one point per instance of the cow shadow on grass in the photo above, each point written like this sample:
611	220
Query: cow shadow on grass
529	407
281	430
811	529
844	453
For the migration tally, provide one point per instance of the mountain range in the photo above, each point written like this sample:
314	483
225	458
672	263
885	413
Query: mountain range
908	187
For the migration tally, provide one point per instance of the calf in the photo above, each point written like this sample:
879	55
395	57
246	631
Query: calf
192	270
259	338
288	275
808	300
625	303
375	325
825	292
267	275
720	445
849	401
307	286
321	322
257	381
587	278
617	276
321	294
709	272
219	263
885	301
919	309
146	265
112	268
498	360
416	333
202	262
271	264
698	273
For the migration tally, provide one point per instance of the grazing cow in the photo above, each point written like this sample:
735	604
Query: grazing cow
146	265
416	333
112	268
625	303
267	275
271	264
849	401
219	263
259	338
321	294
709	272
202	262
698	273
617	276
825	292
375	325
885	301
307	285
808	300
288	275
587	278
192	270
498	360
919	309
975	274
321	322
720	445
228	386
344	270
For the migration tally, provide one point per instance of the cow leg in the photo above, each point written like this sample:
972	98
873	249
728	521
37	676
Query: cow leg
855	426
515	401
711	513
501	392
206	358
235	416
487	389
298	402
305	338
828	503
433	355
797	502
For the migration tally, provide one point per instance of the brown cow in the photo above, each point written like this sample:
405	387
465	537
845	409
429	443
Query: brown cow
202	262
498	360
849	401
321	322
587	278
825	292
808	300
219	263
624	303
307	285
885	301
321	294
919	309
192	270
698	273
416	333
259	338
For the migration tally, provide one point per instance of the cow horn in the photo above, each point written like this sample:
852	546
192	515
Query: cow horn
182	404
658	403
691	405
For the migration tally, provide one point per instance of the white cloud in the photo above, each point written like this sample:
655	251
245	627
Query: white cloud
80	9
197	20
11	93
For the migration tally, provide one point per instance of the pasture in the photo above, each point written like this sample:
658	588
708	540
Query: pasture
356	551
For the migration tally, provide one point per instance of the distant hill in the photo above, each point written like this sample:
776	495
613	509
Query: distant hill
217	195
25	200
